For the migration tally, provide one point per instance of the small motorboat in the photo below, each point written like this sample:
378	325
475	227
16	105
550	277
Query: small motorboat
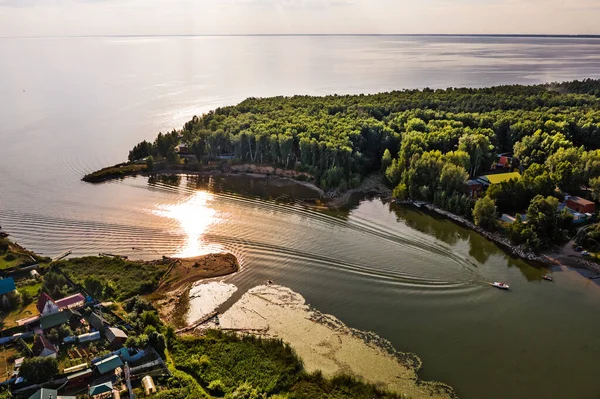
501	286
547	277
269	282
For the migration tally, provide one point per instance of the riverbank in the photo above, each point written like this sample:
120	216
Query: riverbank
552	258
326	344
372	185
172	297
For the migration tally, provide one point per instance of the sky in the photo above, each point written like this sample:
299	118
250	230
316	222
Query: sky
185	17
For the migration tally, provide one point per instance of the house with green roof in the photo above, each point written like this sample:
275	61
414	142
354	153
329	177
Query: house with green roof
108	364
54	320
101	390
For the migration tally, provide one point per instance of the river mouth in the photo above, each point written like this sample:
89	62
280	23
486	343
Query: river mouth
415	279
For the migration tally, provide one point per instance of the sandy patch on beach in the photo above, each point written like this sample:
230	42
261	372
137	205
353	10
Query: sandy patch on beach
205	298
324	342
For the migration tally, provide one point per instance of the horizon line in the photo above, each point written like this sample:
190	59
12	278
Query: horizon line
525	35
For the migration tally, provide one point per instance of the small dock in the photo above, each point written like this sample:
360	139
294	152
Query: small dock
104	254
197	323
62	256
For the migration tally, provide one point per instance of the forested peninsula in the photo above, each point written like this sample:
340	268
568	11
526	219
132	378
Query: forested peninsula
429	144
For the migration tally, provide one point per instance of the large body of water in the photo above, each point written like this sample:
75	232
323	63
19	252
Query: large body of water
71	105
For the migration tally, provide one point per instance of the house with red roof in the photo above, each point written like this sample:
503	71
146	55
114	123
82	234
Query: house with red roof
42	347
71	302
46	305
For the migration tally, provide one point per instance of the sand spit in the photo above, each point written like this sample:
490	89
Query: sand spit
325	343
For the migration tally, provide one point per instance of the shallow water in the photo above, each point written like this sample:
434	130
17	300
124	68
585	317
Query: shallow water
69	106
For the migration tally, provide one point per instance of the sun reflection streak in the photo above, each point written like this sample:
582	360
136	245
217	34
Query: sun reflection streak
195	216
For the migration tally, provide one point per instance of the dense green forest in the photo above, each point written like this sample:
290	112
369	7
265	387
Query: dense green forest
427	142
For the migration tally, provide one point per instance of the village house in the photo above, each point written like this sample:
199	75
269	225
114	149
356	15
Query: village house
42	347
581	205
102	391
97	322
509	219
115	336
490	180
46	393
7	285
46	305
474	188
108	364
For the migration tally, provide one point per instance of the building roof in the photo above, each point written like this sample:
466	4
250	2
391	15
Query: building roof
79	374
472	183
46	393
580	201
42	343
96	321
101	388
42	299
70	301
502	177
109	364
54	319
113	333
7	285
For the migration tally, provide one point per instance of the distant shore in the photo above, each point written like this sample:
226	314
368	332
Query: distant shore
372	185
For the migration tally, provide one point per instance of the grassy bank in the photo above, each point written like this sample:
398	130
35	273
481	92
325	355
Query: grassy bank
128	278
13	255
115	172
230	366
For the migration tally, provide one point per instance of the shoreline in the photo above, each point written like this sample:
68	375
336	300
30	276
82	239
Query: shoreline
372	184
326	344
547	259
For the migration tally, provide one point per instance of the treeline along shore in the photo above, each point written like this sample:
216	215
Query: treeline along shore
436	146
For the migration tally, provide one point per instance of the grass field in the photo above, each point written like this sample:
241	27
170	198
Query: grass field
8	320
7	362
227	364
130	278
32	289
12	255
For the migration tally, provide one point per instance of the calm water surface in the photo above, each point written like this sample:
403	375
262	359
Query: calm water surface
69	106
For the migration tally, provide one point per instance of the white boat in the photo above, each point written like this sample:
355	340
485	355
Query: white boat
502	286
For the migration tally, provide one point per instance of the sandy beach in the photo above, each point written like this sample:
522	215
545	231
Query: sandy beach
325	343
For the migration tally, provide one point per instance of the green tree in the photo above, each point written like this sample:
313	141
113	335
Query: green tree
543	218
536	148
39	369
595	186
400	192
386	159
459	158
479	147
150	163
393	172
484	213
55	283
172	155
453	178
94	286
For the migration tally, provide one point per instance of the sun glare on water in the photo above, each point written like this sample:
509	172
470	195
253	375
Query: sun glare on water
194	215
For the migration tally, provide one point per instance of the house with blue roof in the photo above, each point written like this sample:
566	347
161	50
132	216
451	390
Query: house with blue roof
7	285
